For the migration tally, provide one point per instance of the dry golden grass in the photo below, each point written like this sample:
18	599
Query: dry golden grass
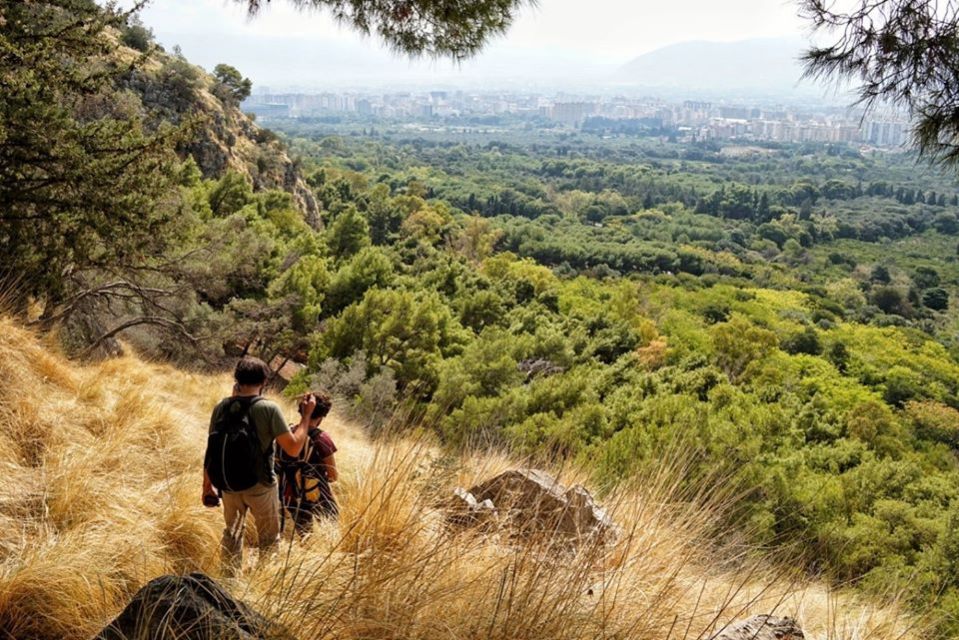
99	493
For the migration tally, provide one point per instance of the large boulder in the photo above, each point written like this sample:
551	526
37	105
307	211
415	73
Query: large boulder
532	502
284	370
762	628
192	607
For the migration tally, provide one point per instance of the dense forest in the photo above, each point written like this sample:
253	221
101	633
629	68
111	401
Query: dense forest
781	319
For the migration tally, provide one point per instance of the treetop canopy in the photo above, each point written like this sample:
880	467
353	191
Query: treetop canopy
435	28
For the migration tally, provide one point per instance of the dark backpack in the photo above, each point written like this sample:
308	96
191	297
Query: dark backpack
234	454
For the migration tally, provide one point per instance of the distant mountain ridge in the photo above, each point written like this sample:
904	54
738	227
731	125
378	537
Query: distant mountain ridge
758	64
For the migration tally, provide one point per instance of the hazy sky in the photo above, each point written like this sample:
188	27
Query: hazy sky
606	30
284	46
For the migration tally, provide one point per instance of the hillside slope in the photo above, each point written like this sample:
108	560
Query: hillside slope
100	493
221	137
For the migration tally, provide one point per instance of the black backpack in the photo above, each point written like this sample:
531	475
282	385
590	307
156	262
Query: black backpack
234	454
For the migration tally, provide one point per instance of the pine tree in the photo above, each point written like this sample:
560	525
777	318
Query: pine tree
80	182
899	52
420	27
762	211
349	233
231	86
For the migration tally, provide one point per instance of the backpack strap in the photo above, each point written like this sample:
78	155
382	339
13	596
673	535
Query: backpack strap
246	402
250	403
307	448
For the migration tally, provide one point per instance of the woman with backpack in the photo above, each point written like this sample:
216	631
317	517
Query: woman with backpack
304	480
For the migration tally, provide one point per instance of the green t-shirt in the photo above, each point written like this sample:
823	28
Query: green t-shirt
269	423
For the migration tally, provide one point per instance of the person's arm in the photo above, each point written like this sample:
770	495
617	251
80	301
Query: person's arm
330	464
208	489
292	441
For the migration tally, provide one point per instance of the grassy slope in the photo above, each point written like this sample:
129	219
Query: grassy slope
99	492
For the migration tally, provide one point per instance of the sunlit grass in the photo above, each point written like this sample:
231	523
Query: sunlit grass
99	493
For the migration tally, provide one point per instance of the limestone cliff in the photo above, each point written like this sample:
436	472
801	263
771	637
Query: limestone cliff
219	136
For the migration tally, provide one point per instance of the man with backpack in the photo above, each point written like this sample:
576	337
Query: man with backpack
305	479
239	461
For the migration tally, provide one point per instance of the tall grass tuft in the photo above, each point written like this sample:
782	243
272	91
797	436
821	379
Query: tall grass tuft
99	493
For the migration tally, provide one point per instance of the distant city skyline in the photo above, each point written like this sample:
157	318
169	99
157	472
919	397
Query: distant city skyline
555	39
681	120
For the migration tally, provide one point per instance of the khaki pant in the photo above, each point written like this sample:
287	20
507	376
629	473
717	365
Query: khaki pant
264	503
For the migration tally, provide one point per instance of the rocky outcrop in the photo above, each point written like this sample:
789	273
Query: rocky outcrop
284	371
531	503
220	137
230	140
762	628
192	607
538	368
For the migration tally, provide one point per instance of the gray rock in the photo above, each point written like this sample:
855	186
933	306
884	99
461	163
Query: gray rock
533	502
466	511
538	367
584	513
284	370
192	607
762	628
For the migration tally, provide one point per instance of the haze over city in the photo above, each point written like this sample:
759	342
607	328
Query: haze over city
557	43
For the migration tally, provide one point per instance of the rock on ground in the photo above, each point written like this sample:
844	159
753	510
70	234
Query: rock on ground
192	607
466	511
533	502
762	628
